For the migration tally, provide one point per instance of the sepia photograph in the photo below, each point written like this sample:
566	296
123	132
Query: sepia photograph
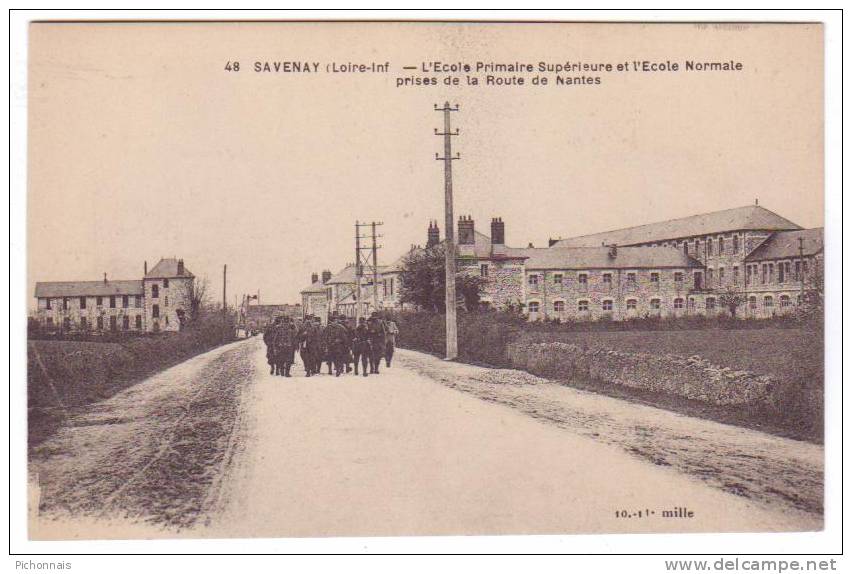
323	279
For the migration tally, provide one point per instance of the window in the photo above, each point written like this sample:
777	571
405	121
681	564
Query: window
82	302
582	305
781	272
100	323
787	269
710	303
155	291
533	306
655	304
155	311
736	274
483	270
785	301
83	323
748	274
125	301
710	278
797	269
607	279
697	245
138	321
165	283
99	301
721	246
768	302
607	304
112	301
113	323
533	280
685	248
721	276
125	322
752	302
763	270
678	277
678	303
736	243
583	278
631	305
631	279
166	301
47	303
655	278
391	285
557	278
708	245
692	302
138	301
65	303
696	280
559	306
771	272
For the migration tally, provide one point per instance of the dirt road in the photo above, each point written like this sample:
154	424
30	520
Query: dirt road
401	453
217	447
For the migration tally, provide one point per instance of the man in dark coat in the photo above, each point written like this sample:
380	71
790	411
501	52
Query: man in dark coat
314	345
304	350
336	345
378	340
285	343
269	341
361	346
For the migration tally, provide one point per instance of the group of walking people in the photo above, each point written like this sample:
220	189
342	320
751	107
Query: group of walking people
343	344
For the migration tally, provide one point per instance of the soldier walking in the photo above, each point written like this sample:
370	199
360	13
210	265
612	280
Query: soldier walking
390	345
378	340
361	346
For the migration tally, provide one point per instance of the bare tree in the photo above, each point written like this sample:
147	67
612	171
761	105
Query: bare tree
198	292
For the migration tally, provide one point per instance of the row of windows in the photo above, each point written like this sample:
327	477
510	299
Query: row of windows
113	323
99	301
711	246
784	271
655	304
533	279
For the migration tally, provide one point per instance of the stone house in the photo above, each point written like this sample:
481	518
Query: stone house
315	297
160	301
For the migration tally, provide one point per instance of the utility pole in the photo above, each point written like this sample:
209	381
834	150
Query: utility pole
357	272
375	268
802	271
225	291
450	251
366	255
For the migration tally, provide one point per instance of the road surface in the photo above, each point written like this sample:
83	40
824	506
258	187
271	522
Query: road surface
400	453
217	447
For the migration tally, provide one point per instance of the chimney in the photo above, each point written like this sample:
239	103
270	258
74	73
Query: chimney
180	267
466	236
146	269
551	242
613	251
530	245
433	237
314	278
326	275
498	231
105	279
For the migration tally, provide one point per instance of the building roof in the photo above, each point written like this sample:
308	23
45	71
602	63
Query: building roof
785	244
736	219
482	248
598	258
398	265
166	269
318	287
88	288
347	275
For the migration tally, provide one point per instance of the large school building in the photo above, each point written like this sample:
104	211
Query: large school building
689	266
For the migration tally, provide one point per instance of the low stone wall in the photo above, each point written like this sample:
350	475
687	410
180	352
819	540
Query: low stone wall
690	377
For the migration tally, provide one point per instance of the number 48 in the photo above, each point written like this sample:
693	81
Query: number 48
232	66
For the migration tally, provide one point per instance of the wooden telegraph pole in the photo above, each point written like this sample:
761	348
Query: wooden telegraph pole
450	260
366	256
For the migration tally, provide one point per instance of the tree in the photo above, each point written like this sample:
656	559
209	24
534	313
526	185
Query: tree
732	299
198	295
423	281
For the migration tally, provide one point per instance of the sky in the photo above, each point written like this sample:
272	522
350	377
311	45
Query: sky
142	145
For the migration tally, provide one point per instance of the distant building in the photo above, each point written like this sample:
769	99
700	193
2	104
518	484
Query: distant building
160	301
